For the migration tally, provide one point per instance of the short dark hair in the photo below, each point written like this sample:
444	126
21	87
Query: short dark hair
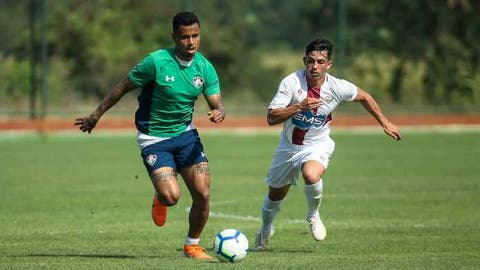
184	18
320	45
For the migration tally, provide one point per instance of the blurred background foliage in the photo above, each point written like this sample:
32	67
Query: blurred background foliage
413	56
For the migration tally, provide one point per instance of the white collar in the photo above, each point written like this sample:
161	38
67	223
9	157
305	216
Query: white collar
183	62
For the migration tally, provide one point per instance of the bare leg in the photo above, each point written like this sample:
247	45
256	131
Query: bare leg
312	172
197	180
165	182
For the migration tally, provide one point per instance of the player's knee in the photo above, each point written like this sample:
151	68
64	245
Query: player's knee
278	194
168	200
168	197
202	196
205	195
311	178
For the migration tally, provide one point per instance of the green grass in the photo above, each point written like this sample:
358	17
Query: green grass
83	202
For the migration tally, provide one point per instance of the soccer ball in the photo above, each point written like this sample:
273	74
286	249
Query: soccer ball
230	245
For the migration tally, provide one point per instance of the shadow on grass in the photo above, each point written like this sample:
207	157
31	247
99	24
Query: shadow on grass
281	250
269	250
97	256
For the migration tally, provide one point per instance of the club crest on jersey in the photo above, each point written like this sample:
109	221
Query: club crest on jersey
197	81
327	99
151	159
307	119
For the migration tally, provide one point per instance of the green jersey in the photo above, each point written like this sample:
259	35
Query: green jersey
169	91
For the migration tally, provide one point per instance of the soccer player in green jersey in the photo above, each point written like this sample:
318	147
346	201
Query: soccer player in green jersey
171	81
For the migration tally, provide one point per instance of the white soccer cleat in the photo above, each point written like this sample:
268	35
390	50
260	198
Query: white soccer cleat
317	229
261	241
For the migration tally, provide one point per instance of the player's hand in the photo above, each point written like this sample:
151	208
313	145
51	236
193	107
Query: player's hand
309	104
86	123
216	116
392	131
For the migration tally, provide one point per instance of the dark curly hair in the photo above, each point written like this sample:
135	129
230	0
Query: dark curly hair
184	18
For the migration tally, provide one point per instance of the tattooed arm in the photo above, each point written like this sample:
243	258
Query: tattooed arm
87	123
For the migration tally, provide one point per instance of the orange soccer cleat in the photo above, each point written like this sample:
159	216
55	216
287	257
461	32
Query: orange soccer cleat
196	252
159	212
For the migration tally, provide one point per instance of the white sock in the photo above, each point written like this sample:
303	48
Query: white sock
313	195
269	211
192	241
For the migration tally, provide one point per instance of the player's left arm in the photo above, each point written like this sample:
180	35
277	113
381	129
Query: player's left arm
217	110
369	103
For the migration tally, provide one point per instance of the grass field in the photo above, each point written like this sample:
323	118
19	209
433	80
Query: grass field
83	202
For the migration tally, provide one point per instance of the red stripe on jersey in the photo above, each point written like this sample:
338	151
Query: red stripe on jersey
314	92
329	118
298	135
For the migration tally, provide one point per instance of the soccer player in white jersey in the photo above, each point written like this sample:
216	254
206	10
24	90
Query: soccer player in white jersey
304	103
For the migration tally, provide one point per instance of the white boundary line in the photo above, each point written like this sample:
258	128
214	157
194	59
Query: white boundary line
330	223
337	224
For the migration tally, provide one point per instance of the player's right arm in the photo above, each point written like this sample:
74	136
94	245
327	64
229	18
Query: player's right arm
283	105
280	115
87	123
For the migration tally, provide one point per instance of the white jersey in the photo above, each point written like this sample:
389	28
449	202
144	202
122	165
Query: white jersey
313	126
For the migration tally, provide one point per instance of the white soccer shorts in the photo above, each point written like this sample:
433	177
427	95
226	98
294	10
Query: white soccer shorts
288	159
